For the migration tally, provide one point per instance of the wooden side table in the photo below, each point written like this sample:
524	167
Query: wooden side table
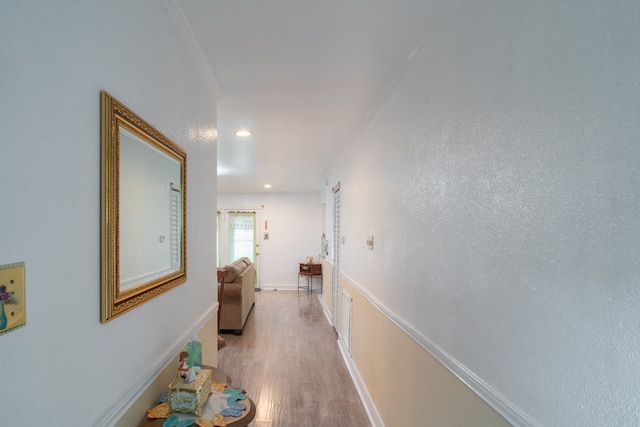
219	377
309	271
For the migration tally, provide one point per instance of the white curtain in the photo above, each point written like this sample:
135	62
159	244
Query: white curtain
242	235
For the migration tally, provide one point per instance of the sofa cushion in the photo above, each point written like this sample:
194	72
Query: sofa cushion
234	271
244	260
236	268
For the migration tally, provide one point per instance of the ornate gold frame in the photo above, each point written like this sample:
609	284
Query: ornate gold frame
114	302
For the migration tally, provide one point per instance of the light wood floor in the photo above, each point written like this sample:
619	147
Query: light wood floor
289	363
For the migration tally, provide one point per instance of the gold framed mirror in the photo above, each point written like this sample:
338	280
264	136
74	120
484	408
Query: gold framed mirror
144	203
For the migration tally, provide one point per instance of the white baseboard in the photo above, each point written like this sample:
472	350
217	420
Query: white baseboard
277	287
325	310
369	407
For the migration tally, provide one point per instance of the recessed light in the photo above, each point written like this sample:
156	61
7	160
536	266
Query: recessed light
267	186
243	133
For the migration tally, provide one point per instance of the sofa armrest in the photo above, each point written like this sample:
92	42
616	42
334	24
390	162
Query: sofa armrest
248	277
238	299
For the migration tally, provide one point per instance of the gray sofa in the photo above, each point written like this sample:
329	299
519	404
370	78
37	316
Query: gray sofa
239	295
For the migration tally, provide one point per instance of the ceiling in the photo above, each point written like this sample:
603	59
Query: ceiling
304	76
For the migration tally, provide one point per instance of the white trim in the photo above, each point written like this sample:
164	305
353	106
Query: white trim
381	98
325	310
494	399
111	416
128	283
286	287
187	33
282	287
347	319
369	407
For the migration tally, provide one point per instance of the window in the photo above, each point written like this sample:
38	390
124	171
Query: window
242	235
236	236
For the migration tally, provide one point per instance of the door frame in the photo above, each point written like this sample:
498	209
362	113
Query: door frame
223	240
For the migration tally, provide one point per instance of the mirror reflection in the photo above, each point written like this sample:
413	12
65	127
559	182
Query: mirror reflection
150	212
143	211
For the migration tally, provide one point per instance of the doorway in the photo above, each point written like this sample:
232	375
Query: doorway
237	238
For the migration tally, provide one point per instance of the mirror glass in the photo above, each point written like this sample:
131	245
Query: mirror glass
144	204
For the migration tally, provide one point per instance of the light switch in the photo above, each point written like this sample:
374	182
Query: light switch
12	297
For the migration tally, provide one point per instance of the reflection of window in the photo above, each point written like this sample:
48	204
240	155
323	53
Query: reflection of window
236	236
242	233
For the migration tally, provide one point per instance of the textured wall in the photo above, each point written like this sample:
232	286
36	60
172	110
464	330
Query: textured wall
65	367
500	179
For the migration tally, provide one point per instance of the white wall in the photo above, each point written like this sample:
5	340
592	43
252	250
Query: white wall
65	367
499	177
141	203
295	227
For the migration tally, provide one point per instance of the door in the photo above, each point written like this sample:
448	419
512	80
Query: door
237	237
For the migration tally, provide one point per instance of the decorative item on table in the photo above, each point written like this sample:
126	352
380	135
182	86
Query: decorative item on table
191	387
223	403
194	348
310	260
173	421
161	410
183	365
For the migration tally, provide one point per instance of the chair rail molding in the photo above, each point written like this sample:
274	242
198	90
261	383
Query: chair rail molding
494	399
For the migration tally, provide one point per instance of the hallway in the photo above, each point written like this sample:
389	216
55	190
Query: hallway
289	363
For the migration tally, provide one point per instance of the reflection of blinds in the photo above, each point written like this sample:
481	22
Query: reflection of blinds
242	235
175	229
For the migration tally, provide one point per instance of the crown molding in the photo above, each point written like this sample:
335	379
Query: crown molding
187	33
393	81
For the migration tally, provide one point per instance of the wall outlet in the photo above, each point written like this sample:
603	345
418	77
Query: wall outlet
12	297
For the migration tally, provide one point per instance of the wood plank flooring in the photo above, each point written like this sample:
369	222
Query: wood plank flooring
288	361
